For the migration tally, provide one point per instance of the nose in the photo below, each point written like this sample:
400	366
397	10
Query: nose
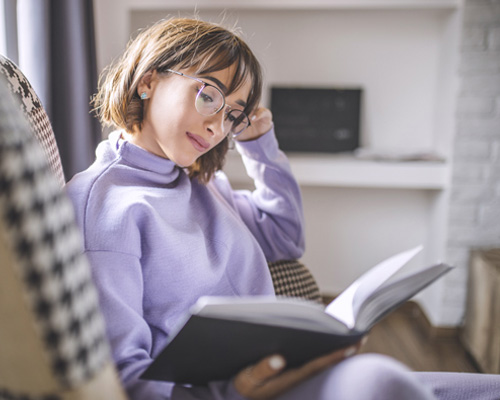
215	123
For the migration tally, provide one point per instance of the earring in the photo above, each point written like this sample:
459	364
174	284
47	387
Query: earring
144	96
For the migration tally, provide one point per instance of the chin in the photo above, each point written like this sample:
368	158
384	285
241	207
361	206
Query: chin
183	163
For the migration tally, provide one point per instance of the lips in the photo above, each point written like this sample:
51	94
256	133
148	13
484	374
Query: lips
198	142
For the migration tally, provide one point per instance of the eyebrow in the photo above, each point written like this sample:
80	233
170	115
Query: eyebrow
219	83
224	89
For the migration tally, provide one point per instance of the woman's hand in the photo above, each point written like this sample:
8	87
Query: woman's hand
265	380
261	120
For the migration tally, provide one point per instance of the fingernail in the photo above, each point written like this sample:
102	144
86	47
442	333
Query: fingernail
253	117
276	362
350	351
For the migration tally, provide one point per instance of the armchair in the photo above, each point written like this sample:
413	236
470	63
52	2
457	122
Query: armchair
52	333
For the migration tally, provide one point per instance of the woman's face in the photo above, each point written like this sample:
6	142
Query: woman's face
172	127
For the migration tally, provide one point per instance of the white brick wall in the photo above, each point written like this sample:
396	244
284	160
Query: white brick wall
474	218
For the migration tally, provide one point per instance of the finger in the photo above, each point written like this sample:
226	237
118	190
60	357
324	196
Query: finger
268	368
261	372
258	382
253	377
260	123
294	376
276	385
257	111
261	114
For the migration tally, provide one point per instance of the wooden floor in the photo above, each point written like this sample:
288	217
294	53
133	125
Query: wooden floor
404	336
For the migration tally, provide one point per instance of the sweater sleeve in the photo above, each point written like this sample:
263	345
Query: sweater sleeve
273	211
128	333
130	336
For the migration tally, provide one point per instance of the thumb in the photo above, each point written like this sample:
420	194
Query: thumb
257	375
267	368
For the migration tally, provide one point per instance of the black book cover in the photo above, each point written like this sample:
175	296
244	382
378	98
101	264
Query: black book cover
209	349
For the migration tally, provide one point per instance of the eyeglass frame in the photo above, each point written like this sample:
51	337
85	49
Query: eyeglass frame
223	106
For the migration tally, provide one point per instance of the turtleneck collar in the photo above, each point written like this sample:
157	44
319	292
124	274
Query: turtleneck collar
143	159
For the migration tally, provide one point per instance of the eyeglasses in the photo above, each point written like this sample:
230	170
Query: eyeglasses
210	100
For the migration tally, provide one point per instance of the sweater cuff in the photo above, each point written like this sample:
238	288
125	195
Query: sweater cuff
265	147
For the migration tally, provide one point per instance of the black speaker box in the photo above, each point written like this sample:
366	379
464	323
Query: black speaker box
323	120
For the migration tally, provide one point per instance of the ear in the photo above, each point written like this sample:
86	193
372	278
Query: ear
146	83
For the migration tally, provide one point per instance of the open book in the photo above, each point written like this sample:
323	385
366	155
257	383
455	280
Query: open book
222	335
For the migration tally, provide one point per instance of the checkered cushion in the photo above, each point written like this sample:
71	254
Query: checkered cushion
37	117
293	279
53	345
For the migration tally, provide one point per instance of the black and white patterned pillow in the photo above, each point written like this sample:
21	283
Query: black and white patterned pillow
33	109
47	246
291	278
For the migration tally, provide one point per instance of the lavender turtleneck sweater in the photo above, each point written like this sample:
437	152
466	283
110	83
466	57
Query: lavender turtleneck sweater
157	241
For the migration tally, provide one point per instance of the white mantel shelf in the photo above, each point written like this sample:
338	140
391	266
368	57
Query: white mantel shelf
332	170
299	4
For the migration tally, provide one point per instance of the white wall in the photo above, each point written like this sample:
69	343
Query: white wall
349	230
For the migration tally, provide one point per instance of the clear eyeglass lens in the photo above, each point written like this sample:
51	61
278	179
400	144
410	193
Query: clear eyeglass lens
209	100
235	122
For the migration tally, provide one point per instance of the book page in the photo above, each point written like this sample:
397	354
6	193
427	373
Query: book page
290	312
346	306
393	294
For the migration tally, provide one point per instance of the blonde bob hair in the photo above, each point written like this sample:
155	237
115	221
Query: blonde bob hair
176	43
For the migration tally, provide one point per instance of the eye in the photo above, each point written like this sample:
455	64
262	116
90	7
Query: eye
236	117
209	100
205	97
